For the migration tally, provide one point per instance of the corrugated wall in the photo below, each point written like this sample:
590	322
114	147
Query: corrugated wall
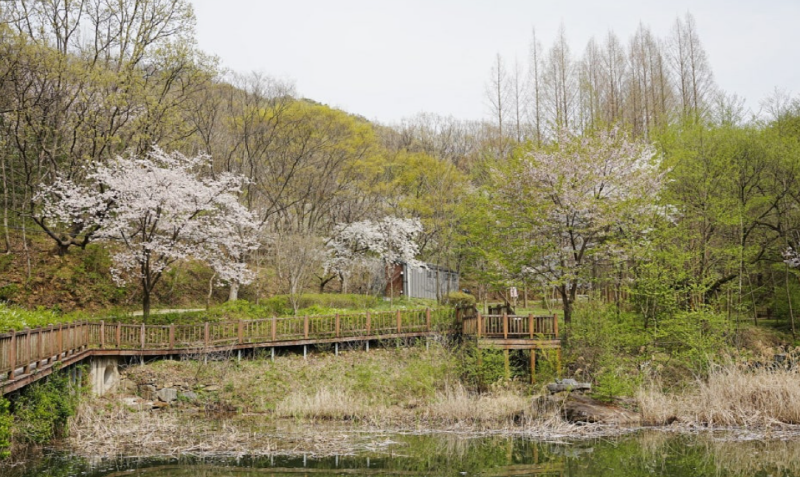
421	282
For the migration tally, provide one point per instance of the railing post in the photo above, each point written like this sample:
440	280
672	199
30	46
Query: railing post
40	348
27	364
119	335
142	336
241	331
399	320
369	323
555	326
338	326
305	326
479	325
207	335
274	327
60	340
428	319
530	325
505	325
102	334
12	355
172	336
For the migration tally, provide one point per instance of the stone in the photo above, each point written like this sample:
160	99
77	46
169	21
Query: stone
568	385
159	405
148	392
212	388
583	409
188	395
168	394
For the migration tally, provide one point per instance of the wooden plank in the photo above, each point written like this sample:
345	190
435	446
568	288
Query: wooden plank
102	334
172	336
530	325
240	332
479	326
369	323
207	335
274	327
338	326
505	325
305	326
428	319
142	336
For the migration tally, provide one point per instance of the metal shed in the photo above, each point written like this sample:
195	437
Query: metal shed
420	282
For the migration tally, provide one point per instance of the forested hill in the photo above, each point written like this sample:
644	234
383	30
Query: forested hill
623	173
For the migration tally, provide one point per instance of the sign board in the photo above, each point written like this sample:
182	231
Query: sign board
513	292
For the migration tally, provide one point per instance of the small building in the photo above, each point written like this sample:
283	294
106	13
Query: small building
420	282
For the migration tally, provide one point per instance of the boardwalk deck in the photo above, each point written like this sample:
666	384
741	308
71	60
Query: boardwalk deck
29	355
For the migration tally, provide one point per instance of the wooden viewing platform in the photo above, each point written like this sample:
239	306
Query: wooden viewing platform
515	332
29	355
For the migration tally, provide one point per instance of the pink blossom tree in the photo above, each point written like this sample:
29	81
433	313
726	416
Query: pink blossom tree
583	198
389	240
157	210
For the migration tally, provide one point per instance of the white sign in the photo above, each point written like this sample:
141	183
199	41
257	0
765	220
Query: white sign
513	292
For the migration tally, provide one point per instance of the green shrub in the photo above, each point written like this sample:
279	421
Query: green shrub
481	367
459	299
42	411
9	292
5	428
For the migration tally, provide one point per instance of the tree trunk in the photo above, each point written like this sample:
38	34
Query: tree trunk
233	294
145	304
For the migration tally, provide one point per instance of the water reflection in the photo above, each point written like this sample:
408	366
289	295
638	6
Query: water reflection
648	453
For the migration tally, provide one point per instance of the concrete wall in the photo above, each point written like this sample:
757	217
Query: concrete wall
103	374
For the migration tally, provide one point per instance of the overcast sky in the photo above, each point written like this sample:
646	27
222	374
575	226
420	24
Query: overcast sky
387	60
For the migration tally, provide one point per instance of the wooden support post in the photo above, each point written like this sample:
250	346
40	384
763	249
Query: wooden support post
558	362
273	353
12	355
530	325
142	336
369	324
336	349
338	329
367	346
505	325
305	351
172	336
507	357
27	363
533	365
207	335
241	333
102	334
479	326
39	348
305	327
239	356
428	319
555	326
274	332
399	320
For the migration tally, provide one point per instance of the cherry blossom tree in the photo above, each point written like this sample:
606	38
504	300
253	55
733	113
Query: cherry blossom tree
578	201
390	240
157	210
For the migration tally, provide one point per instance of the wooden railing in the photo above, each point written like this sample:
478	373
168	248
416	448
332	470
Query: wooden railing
22	352
511	326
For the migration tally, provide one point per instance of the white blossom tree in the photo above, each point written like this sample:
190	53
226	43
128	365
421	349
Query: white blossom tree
157	210
576	201
390	240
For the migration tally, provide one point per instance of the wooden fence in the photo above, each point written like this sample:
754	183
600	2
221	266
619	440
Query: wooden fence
511	326
23	352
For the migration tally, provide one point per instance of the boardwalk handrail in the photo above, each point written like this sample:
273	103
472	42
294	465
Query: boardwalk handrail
511	326
26	351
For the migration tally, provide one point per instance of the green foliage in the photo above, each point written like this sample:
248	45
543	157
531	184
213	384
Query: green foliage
42	411
17	318
5	428
459	299
8	292
481	368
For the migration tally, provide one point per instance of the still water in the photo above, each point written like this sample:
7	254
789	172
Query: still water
647	453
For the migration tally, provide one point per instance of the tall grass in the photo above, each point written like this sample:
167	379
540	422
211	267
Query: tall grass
730	396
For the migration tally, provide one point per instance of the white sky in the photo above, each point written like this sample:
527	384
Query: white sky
389	59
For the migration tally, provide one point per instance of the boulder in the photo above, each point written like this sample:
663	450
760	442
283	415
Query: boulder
188	395
148	392
167	395
568	385
584	409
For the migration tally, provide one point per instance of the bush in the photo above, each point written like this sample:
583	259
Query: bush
459	299
42	411
5	428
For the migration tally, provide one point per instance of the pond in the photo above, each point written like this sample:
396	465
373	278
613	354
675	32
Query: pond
645	453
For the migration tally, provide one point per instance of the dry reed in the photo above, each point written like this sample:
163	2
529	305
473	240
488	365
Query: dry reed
730	396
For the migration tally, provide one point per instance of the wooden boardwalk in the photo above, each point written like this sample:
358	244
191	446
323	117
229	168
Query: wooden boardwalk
29	355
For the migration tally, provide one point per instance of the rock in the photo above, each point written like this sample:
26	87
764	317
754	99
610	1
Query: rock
188	395
168	395
585	409
159	405
148	392
212	388
568	385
